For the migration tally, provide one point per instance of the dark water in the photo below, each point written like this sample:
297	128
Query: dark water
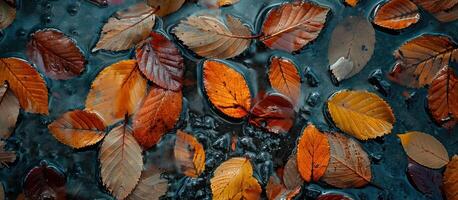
33	143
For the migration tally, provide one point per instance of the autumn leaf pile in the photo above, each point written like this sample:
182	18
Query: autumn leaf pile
133	104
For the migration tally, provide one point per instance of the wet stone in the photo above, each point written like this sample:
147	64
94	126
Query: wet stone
376	78
223	143
313	99
311	77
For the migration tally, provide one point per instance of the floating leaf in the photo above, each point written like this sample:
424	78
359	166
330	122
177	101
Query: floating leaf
158	114
427	181
352	3
443	97
291	177
78	129
233	179
352	39
450	177
6	156
285	78
397	14
275	190
9	106
121	161
161	62
361	114
313	154
209	37
274	112
44	182
126	28
349	165
227	89
217	3
424	149
443	10
166	7
419	60
293	25
189	155
150	187
55	54
331	196
118	90
26	83
7	14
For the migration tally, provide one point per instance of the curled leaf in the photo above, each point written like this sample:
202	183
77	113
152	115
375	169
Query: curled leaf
7	14
427	181
313	153
293	25
9	106
6	156
285	78
443	97
189	155
442	10
424	149
397	14
166	7
227	89
274	112
450	177
150	187
45	182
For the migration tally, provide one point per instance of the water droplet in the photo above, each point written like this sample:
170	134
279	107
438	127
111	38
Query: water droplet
46	18
21	32
73	9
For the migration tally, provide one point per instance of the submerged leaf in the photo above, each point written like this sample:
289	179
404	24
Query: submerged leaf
9	106
45	182
285	78
442	10
313	153
7	14
427	181
450	177
166	7
443	97
397	14
150	187
189	155
274	112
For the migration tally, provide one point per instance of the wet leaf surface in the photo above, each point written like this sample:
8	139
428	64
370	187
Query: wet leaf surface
7	14
189	154
443	97
450	176
9	105
291	177
426	180
150	187
273	112
166	7
444	11
313	154
275	190
45	182
285	78
397	14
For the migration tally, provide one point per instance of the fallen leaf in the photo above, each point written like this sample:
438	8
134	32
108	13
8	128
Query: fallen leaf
212	4
275	190
6	156
313	154
2	191
443	97
397	14
158	114
7	14
419	60
331	196
273	112
189	155
442	10
209	37
349	165
285	78
353	39
121	161
361	114
161	62
150	187
166	7
44	182
352	3
291	177
78	129
424	149
26	83
55	54
293	25
126	28
227	89
427	181
233	180
450	177
9	105
118	90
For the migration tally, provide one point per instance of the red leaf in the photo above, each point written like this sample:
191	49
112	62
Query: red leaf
45	182
331	196
274	112
443	97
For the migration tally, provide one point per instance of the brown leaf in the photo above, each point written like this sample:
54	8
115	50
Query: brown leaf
126	28
291	177
121	161
150	187
161	62
313	154
349	165
118	90
419	60
158	114
353	39
275	190
273	112
189	155
45	182
26	83
397	14
227	89
209	37
293	25
285	78
424	149
426	180
450	177
78	129
9	106
443	10
166	7
6	156
443	97
7	14
55	54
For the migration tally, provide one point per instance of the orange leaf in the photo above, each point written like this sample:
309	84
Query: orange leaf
9	106
291	177
189	155
117	91
158	114
227	89
312	154
274	112
293	25
78	129
443	10
443	97
284	77
397	14
349	165
26	83
419	60
275	190
352	3
450	179
424	149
